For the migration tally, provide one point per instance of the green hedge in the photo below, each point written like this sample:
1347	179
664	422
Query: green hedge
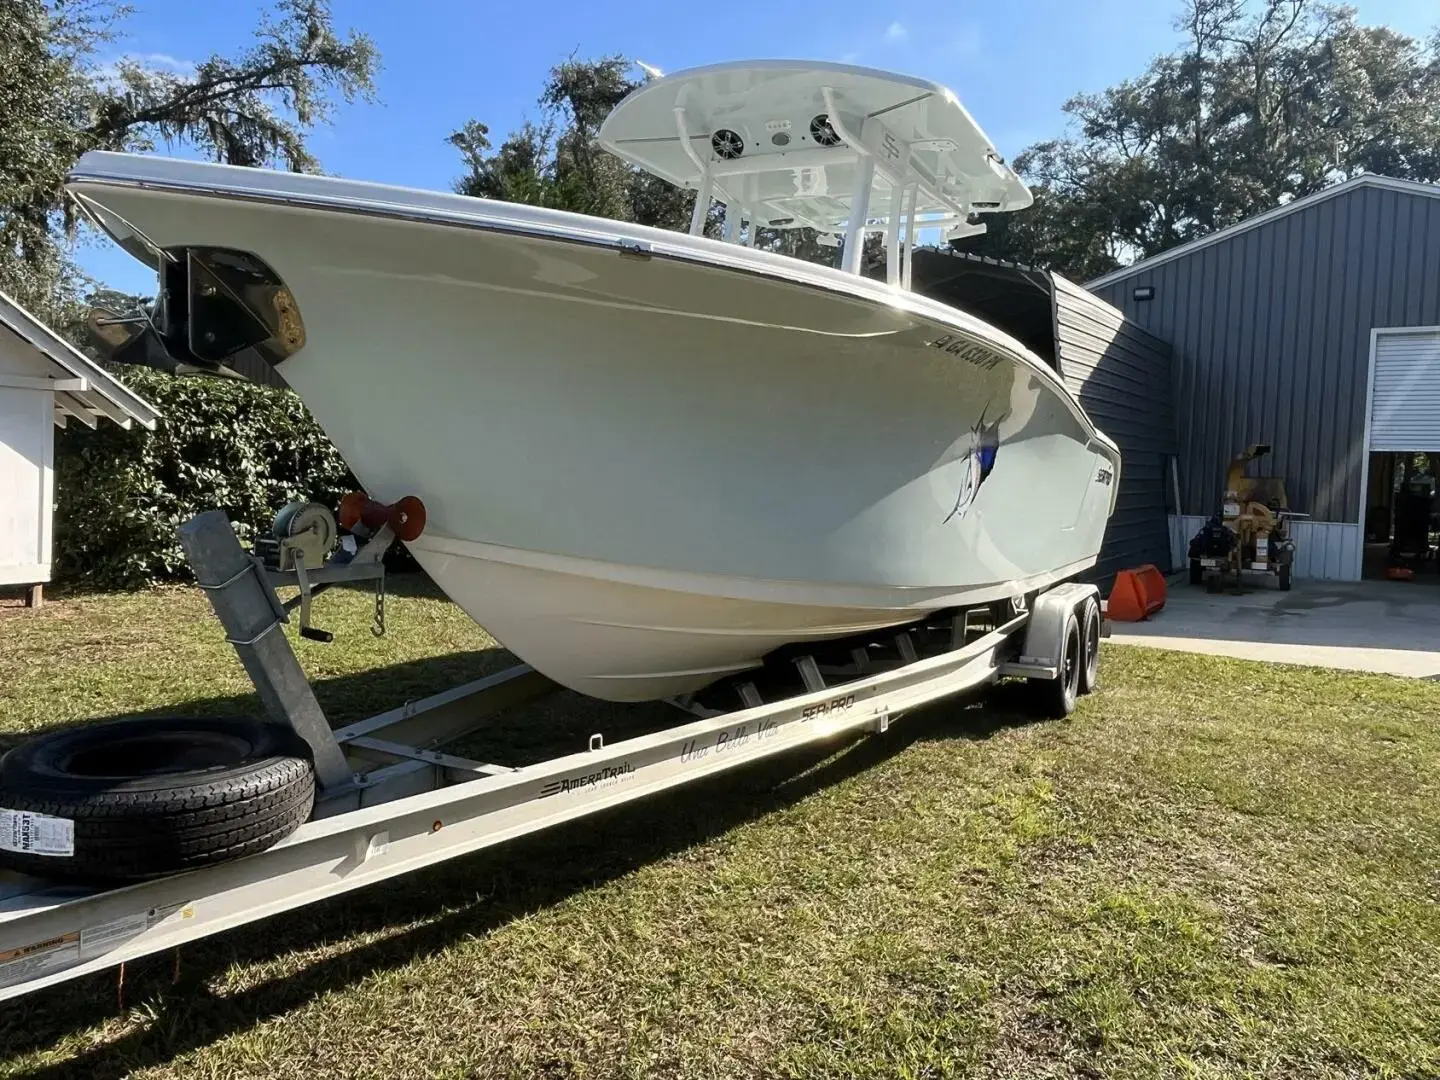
220	443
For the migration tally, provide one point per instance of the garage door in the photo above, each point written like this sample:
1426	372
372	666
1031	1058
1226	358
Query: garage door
1405	399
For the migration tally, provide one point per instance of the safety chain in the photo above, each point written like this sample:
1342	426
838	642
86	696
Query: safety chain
378	627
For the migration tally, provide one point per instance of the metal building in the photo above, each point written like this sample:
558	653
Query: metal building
1120	372
1314	327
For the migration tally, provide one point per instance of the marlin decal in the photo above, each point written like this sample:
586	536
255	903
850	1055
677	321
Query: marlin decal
977	464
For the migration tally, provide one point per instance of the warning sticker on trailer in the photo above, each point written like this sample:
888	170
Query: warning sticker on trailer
98	940
36	834
38	958
53	954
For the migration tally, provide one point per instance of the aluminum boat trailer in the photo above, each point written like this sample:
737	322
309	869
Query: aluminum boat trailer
390	800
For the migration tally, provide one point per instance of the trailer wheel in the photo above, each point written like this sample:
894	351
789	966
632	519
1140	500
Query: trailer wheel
129	800
1285	578
1197	572
1057	696
1090	646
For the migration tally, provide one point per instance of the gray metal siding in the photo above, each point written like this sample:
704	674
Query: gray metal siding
1122	376
1271	337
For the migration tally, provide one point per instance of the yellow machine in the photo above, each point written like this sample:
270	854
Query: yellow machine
1251	533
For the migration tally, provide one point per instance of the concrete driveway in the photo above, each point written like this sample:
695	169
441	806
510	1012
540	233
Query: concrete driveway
1385	626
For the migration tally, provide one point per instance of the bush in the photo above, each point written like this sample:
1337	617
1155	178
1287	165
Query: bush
220	444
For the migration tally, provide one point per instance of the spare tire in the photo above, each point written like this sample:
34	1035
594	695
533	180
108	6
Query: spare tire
129	800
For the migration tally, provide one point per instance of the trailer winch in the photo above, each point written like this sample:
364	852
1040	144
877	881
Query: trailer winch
302	535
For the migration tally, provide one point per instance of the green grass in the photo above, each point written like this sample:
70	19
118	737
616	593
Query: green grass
1213	869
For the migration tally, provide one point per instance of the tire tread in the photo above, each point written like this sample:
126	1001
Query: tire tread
132	835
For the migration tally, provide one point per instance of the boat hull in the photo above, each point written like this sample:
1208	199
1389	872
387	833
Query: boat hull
626	633
642	472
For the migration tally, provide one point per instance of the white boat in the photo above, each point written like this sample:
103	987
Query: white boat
650	459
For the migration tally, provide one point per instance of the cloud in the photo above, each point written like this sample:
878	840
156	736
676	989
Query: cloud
896	32
108	72
165	62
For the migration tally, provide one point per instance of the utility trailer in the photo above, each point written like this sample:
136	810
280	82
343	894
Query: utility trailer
388	798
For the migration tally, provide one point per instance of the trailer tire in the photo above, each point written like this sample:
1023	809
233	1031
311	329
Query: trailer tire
147	798
1057	696
1197	572
1089	646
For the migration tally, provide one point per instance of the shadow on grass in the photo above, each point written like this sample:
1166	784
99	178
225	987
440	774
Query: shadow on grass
468	897
349	697
401	579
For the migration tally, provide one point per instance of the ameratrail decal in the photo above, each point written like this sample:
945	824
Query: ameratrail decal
608	776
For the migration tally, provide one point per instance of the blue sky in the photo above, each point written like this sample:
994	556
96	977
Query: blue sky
1013	64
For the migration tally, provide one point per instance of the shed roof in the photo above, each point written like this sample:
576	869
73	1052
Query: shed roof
83	389
1409	187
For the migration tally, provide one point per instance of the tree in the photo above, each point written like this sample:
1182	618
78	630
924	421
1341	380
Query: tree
44	106
557	163
1056	232
1266	100
57	101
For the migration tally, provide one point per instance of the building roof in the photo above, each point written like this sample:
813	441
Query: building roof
83	389
1390	183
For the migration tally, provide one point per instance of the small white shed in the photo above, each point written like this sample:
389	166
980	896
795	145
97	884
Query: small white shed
44	383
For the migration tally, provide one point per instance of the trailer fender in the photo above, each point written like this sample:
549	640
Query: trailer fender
1040	655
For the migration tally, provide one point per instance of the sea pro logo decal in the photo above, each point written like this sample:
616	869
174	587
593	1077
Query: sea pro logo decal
1105	475
825	708
598	778
977	462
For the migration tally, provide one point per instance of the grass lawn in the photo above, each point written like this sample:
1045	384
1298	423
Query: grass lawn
1214	868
